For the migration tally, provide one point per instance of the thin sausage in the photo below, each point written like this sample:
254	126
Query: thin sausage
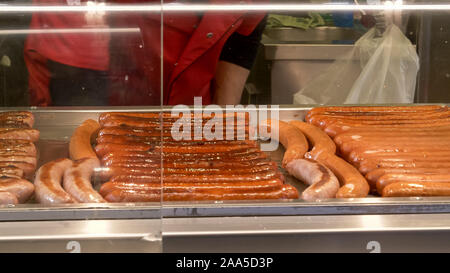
286	192
273	184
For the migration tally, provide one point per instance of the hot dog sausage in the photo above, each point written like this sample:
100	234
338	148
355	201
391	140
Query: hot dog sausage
387	179
21	188
7	198
286	192
407	189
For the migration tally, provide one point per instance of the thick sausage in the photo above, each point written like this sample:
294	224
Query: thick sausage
409	189
21	188
27	168
21	134
292	138
19	158
11	171
77	181
18	146
7	198
48	182
18	116
323	183
353	184
80	141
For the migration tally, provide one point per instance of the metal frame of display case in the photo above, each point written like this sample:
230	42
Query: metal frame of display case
336	225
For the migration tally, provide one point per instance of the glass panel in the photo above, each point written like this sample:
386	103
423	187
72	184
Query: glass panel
73	67
278	60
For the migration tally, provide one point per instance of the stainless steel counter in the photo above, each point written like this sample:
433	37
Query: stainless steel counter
335	225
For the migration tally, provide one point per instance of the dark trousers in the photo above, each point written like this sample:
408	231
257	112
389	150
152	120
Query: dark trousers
73	86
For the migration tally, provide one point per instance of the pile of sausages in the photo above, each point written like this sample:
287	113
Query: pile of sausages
141	159
402	151
17	156
310	156
64	180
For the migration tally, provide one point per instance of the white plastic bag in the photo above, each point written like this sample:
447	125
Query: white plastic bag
377	70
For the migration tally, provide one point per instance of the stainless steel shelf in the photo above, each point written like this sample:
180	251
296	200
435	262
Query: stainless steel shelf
335	225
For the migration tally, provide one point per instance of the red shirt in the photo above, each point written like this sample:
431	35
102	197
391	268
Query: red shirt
191	51
86	47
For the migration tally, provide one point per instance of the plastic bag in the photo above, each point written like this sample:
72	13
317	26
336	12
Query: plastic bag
377	70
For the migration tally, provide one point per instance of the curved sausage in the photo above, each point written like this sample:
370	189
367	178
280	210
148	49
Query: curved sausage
322	182
80	141
353	184
21	188
48	182
292	138
77	181
320	141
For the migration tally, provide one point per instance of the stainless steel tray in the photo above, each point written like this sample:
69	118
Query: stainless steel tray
57	124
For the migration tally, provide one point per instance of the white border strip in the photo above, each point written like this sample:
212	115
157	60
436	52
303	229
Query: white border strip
239	7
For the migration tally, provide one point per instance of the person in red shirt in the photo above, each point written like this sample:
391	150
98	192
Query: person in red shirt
208	55
67	56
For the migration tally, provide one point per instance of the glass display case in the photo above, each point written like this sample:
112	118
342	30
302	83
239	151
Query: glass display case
143	126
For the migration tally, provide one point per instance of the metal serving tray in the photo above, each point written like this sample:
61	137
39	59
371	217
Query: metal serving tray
57	124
